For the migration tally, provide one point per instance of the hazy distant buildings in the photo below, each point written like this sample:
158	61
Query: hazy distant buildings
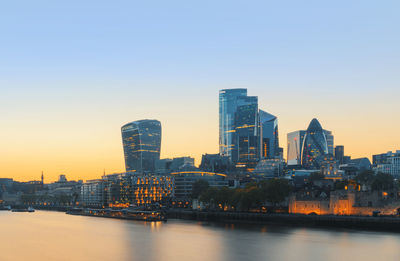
142	145
166	166
216	163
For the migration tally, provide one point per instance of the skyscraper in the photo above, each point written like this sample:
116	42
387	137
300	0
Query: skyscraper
339	154
142	144
246	133
330	141
315	145
295	146
269	135
229	101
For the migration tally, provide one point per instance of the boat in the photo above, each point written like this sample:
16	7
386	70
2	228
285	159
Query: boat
120	214
7	208
29	209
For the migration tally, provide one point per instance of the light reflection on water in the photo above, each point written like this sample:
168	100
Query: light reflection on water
56	236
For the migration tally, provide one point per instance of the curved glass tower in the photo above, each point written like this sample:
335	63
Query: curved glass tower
142	145
269	135
315	145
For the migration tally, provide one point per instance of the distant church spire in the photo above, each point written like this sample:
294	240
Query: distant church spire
42	177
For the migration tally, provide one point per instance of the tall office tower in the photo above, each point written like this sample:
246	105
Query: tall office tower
269	135
339	154
229	102
315	145
246	133
330	141
295	147
142	144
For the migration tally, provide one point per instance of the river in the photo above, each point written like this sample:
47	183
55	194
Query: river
46	235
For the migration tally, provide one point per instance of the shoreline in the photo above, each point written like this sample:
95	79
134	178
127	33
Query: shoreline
362	223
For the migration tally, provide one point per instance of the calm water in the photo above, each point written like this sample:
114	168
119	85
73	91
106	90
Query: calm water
56	236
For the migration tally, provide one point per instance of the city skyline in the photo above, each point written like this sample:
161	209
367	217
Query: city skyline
66	93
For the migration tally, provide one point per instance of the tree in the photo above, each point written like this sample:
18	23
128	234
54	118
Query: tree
275	190
366	177
316	176
199	187
382	181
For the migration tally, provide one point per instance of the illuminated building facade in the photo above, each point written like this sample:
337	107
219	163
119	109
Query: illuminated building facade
295	145
229	102
142	145
269	135
315	145
148	190
246	134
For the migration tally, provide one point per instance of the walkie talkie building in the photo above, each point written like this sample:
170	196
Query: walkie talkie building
142	144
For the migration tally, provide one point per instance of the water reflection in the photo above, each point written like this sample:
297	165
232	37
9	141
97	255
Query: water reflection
56	236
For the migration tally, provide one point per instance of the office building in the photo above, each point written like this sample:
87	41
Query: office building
295	145
269	135
142	145
339	154
388	163
247	134
315	145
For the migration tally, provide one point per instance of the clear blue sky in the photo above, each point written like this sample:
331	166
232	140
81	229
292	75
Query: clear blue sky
72	72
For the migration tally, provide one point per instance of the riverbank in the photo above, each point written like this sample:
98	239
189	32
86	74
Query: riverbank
348	222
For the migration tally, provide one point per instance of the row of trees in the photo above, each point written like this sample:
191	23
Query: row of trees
253	196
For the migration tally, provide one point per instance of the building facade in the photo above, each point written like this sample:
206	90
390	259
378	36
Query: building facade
269	135
315	145
142	145
388	163
246	133
229	101
295	146
184	182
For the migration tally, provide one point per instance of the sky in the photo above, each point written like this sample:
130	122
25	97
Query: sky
73	72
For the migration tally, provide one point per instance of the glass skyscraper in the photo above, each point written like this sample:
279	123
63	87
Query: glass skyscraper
315	145
142	144
330	142
229	101
246	134
295	146
269	135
